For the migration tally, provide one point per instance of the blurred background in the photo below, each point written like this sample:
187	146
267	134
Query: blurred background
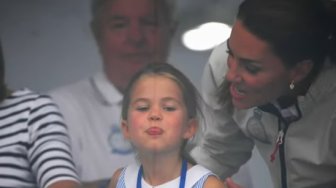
48	43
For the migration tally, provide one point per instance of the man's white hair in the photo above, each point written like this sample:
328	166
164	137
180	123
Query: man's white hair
169	5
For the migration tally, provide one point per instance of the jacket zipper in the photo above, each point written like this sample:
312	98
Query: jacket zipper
280	147
283	159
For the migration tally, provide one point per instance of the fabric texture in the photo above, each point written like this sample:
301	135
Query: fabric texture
34	144
92	111
309	144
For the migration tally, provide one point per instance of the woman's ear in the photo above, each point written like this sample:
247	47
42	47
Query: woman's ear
191	128
301	70
125	129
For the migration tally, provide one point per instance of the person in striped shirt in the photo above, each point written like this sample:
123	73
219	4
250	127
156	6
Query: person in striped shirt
34	144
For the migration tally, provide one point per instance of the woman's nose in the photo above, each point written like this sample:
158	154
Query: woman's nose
233	74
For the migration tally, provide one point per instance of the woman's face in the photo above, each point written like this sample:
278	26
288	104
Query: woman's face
256	75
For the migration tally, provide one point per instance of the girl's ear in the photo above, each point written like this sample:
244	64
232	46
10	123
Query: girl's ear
125	129
191	129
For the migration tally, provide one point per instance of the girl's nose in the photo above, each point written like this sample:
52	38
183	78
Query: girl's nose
155	115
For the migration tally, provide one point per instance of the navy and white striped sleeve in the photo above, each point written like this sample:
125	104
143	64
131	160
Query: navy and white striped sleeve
49	150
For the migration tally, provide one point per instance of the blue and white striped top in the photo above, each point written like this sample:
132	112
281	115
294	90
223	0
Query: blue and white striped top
196	177
34	144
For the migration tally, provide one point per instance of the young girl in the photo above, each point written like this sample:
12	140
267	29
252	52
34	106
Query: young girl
159	116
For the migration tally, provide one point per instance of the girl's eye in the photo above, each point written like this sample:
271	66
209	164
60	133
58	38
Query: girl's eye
169	108
142	108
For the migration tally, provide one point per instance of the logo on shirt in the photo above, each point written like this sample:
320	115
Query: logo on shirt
117	143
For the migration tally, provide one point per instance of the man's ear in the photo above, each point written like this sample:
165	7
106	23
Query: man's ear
125	129
301	70
191	128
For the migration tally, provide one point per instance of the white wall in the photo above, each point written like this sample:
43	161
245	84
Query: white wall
48	43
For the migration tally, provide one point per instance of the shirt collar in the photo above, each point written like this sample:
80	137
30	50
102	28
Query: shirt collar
107	91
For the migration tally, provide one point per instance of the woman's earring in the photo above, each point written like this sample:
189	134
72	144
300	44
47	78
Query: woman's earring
291	85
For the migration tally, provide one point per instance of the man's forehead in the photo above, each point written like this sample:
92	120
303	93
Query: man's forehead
163	7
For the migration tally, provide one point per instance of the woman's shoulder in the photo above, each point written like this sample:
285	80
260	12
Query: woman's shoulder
217	63
25	100
324	85
26	95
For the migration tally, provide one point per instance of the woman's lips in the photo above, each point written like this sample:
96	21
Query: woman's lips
154	131
236	93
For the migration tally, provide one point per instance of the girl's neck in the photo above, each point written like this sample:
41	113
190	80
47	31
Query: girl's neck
161	169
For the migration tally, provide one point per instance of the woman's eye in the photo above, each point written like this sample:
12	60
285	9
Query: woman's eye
252	69
229	53
250	66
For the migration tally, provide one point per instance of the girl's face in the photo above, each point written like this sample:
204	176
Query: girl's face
157	116
256	75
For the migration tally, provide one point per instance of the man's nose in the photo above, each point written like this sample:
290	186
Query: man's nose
136	35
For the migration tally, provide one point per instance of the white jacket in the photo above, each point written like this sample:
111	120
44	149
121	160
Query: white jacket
309	144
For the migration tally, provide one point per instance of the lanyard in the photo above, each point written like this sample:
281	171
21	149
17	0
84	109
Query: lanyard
182	178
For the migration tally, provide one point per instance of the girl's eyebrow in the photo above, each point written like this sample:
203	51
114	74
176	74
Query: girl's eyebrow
165	99
139	100
169	99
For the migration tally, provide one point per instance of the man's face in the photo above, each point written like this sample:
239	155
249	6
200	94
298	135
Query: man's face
130	35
